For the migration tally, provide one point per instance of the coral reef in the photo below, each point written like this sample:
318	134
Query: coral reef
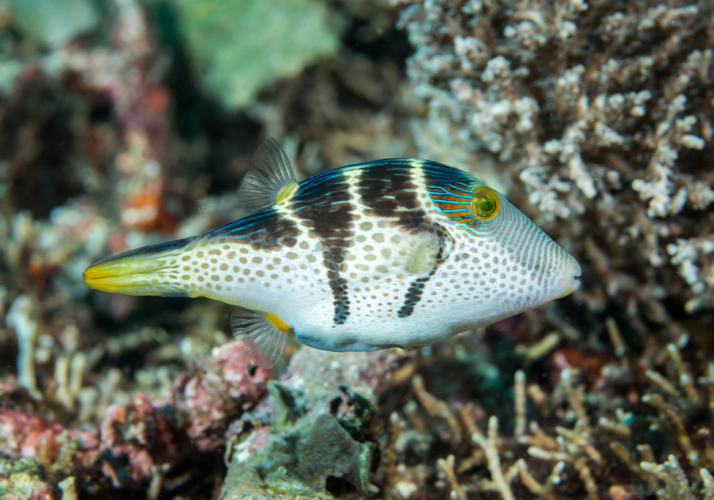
595	118
601	115
112	396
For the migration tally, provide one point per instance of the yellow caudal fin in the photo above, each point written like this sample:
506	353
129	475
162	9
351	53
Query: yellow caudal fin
151	270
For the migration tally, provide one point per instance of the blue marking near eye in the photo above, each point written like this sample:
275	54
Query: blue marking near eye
463	190
468	194
452	202
441	192
444	191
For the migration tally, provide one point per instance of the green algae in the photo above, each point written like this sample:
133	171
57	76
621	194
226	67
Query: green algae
237	48
55	22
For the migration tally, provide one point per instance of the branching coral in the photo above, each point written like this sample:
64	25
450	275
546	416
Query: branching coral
685	254
603	111
581	439
21	318
673	482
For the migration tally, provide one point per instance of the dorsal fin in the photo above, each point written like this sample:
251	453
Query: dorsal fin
270	178
264	334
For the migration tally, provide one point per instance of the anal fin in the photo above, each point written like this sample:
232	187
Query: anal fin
265	334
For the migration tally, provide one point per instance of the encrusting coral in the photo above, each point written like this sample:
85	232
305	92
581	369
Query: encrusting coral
316	436
601	114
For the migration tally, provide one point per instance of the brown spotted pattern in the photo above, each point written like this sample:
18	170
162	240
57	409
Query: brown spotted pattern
330	218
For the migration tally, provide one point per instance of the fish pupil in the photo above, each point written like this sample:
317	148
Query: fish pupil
485	205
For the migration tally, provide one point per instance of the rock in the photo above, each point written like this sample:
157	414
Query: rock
322	431
311	461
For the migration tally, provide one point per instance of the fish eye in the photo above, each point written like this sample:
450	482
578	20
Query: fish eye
485	203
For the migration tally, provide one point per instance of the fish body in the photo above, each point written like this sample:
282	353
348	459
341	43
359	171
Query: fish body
395	252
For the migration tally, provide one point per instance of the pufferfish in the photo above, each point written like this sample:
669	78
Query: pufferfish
394	252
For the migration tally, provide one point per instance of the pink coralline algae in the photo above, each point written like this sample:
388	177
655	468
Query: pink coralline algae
222	388
32	436
140	436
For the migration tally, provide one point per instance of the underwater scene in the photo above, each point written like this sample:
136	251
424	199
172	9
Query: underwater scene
356	249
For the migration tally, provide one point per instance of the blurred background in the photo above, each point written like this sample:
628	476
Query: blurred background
126	123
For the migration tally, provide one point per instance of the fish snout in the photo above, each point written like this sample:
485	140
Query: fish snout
574	271
568	276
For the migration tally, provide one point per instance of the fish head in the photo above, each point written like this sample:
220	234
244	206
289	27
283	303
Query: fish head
516	265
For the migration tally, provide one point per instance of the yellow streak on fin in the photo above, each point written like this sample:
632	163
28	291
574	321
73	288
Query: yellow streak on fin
286	191
277	322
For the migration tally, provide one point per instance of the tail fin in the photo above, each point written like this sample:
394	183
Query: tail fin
152	270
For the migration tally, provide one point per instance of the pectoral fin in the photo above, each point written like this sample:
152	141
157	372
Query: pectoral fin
269	180
422	251
264	334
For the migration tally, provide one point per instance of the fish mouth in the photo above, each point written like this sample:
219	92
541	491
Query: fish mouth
569	281
574	272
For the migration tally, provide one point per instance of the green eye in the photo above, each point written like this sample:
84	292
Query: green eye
485	204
